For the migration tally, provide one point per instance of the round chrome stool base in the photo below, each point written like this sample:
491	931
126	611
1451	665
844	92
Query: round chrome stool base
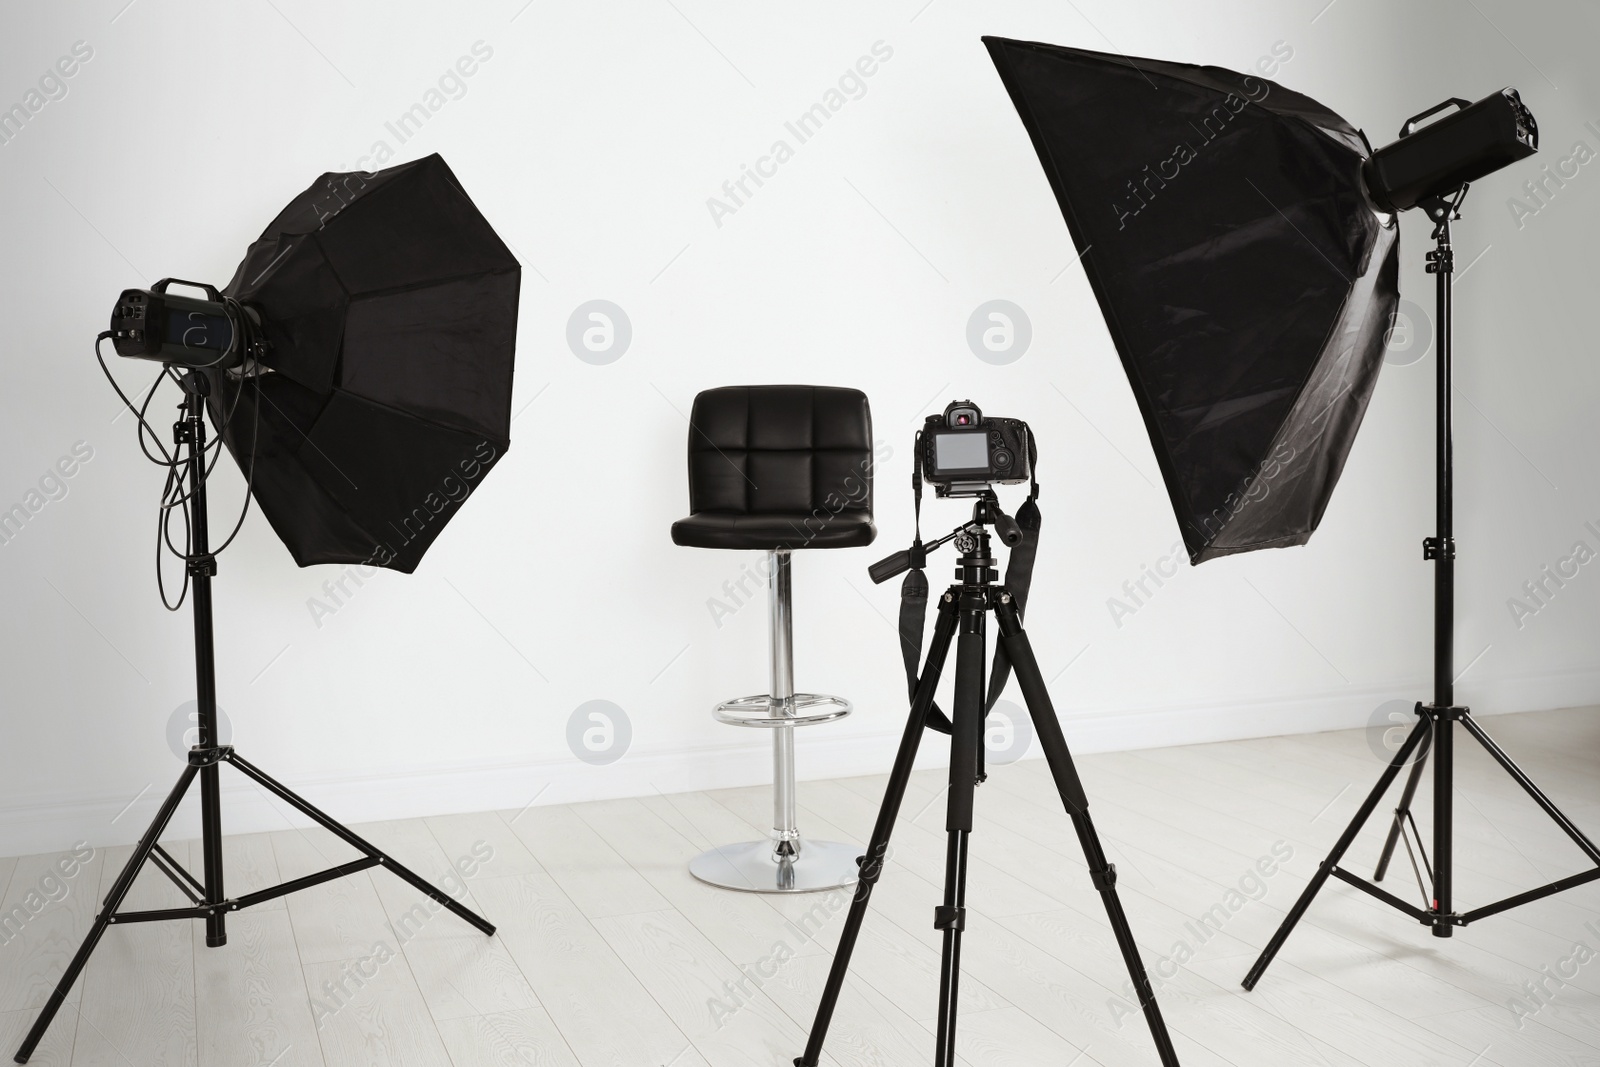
754	867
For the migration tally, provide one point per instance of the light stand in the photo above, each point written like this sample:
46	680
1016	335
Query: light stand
967	604
1436	723
207	898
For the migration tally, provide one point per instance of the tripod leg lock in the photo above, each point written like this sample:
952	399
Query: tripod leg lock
205	757
1452	714
1105	879
948	918
871	869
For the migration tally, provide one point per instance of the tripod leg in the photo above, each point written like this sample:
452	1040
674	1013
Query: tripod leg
119	890
1403	809
349	836
1520	776
1325	871
1048	729
966	751
878	846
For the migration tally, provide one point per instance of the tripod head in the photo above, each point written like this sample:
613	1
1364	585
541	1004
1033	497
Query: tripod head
985	513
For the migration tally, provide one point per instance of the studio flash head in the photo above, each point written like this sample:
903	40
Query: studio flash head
1437	159
181	331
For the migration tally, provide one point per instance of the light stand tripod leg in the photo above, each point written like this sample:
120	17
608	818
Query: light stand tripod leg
966	748
878	846
119	890
1392	771
1518	775
1048	730
1403	810
350	837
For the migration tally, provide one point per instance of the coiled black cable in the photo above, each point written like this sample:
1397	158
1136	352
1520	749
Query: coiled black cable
176	493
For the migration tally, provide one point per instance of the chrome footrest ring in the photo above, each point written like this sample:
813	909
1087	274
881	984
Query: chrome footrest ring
766	712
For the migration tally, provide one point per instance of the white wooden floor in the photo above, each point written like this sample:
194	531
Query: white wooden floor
610	954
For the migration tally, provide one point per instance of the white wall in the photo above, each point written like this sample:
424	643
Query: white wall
592	138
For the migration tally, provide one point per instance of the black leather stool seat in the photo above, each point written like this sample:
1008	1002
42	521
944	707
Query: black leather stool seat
793	530
779	467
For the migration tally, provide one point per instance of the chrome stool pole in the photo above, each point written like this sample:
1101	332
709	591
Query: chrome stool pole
787	863
780	650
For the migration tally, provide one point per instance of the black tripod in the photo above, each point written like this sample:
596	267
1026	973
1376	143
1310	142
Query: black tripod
966	604
1435	727
206	896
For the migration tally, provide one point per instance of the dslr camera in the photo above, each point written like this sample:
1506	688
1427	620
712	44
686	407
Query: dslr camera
962	453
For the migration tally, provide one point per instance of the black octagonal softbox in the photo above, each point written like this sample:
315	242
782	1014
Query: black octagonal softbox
390	307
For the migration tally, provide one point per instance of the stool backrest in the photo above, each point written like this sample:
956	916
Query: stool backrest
771	449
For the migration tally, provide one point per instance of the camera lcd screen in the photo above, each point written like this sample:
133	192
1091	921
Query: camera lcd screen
961	451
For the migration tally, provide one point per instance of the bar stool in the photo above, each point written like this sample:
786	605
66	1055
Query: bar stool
779	468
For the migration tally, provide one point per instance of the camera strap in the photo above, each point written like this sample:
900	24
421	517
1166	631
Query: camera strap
914	601
1018	575
1019	572
914	589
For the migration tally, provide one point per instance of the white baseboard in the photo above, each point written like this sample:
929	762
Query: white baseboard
53	823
